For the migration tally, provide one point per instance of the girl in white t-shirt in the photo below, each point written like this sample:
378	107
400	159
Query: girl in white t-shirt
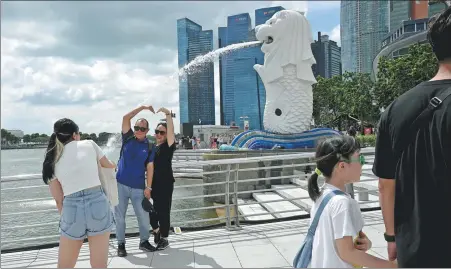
71	170
339	241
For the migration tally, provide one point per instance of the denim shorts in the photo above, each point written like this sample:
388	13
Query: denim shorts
86	213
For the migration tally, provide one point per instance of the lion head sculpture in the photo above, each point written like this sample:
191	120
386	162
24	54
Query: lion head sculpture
287	39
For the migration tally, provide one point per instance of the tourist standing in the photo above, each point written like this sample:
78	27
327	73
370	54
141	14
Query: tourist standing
339	241
413	162
70	169
163	181
135	162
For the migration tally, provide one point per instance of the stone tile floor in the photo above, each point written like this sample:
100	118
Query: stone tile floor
263	245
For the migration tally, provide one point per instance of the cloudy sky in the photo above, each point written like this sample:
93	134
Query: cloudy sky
95	61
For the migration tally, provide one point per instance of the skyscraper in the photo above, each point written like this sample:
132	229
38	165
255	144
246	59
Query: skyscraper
400	11
242	91
196	91
363	26
328	57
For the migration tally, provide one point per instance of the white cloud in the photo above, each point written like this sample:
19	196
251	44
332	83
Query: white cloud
334	34
95	61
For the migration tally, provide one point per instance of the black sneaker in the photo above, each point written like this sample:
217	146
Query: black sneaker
156	237
162	244
146	246
121	252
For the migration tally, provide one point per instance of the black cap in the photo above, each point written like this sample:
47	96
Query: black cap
147	205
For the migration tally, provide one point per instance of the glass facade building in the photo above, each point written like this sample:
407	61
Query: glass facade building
242	91
364	24
400	11
328	57
196	91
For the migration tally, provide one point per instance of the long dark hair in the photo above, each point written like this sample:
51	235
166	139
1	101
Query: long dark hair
63	131
164	124
328	153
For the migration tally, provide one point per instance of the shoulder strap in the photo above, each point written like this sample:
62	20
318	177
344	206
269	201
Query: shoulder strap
125	142
319	211
424	117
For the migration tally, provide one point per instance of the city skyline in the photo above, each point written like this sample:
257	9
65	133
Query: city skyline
242	90
95	61
364	25
196	91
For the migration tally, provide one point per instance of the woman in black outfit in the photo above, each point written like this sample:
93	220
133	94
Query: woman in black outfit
163	181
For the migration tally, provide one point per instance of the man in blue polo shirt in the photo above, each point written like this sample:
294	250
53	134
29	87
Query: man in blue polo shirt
135	161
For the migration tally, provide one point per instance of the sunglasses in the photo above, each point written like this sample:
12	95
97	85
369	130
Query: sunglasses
360	159
138	128
160	132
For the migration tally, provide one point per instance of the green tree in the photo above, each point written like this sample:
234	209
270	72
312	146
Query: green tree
396	76
103	137
9	138
337	97
93	137
357	97
26	138
84	136
326	99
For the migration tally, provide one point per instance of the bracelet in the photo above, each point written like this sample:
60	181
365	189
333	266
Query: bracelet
149	188
389	238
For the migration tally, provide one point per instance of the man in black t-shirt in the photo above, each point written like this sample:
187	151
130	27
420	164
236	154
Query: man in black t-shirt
413	162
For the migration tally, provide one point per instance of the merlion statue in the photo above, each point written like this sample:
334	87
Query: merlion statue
288	78
287	72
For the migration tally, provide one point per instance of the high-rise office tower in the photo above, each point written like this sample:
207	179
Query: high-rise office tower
400	11
196	91
328	57
242	91
364	24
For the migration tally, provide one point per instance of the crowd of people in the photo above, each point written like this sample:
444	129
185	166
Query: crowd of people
412	160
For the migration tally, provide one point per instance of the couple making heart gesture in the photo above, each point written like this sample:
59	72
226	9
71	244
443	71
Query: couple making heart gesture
138	182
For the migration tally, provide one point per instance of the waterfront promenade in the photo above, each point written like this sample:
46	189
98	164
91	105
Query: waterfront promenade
263	245
274	244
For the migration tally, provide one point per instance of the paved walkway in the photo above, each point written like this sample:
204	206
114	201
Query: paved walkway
265	245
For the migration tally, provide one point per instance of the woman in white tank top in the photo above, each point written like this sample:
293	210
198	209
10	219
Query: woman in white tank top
70	169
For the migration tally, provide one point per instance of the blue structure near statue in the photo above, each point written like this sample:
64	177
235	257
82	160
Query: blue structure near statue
266	140
288	79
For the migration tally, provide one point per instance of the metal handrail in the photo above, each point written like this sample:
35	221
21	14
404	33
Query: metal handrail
228	167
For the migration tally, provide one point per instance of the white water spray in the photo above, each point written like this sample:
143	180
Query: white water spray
190	68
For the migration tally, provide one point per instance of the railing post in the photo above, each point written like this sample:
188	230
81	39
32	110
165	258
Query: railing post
235	198
227	196
350	189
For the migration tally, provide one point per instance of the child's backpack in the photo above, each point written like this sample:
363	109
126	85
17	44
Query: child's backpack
304	256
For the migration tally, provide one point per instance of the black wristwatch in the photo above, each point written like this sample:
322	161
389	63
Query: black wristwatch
389	238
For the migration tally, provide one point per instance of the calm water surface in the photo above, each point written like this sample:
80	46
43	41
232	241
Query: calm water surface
26	194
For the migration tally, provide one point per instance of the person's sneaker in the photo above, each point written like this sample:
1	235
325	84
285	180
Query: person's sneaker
121	252
146	246
156	237
162	244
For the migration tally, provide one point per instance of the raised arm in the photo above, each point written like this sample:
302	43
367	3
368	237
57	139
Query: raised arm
170	125
126	120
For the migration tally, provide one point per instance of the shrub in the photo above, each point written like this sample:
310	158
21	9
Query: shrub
367	140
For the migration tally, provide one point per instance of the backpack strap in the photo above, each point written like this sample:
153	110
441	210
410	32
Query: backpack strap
319	211
150	145
425	116
123	144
